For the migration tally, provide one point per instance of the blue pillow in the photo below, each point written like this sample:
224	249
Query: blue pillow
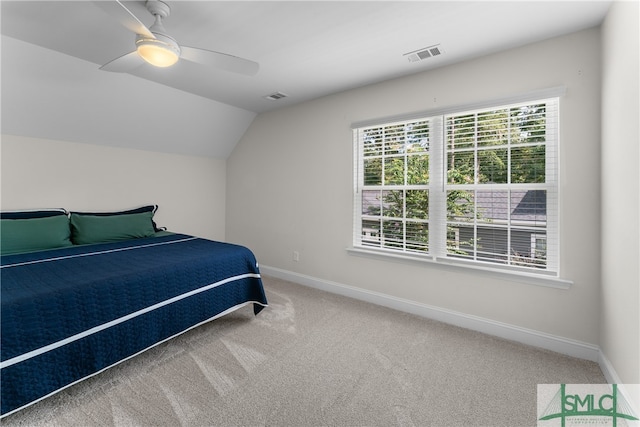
36	213
149	208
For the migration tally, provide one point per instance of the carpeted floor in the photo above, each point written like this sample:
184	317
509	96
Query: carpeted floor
312	359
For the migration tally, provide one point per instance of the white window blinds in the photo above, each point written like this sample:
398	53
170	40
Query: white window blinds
475	186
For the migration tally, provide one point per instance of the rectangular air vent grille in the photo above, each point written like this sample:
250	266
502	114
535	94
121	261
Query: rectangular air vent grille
427	52
276	96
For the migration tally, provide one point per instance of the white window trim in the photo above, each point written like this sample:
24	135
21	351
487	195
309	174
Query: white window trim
528	276
459	266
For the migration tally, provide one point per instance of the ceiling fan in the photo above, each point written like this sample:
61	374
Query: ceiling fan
155	46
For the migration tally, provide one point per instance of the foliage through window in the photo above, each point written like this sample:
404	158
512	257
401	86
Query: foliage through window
395	194
475	186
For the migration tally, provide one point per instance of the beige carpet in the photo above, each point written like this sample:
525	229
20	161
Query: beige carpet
313	358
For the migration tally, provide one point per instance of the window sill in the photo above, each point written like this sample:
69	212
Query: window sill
515	276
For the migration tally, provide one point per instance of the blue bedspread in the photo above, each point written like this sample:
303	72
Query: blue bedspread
69	313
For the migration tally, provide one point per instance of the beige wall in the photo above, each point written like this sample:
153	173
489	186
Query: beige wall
289	187
620	325
42	173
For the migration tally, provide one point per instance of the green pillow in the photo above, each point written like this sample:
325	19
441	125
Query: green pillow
86	229
34	234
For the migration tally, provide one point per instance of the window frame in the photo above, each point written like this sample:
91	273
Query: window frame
437	187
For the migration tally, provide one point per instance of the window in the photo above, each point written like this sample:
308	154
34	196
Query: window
472	187
395	186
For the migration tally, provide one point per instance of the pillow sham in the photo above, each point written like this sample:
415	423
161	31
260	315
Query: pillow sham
103	228
149	208
34	234
35	213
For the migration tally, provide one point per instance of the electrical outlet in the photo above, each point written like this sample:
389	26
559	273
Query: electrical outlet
296	256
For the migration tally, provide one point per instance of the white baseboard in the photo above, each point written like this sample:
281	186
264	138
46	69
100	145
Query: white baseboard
630	391
531	337
607	369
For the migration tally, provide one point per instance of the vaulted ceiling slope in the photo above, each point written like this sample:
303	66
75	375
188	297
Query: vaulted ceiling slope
50	95
52	51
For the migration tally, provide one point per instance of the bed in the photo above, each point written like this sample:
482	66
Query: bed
72	311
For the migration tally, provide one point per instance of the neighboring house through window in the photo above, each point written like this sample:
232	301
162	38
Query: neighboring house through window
475	187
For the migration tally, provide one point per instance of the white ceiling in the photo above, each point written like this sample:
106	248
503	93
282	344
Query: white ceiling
306	49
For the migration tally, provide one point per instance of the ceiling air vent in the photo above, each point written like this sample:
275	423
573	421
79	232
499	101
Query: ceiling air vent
276	96
425	53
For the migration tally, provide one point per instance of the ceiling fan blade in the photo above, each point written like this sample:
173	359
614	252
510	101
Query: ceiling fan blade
123	15
124	63
219	60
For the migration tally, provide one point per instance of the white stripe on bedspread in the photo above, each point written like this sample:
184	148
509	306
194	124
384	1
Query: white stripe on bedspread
114	322
18	264
217	316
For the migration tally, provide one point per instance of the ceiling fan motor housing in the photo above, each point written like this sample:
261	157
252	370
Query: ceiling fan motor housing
158	8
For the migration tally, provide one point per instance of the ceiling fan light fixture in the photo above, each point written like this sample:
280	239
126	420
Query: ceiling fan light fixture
157	52
156	47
